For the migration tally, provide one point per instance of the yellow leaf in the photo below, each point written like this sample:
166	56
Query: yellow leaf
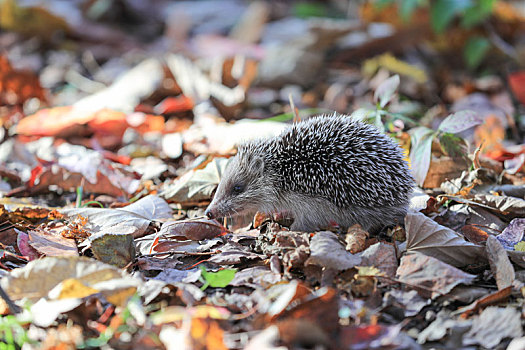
394	65
119	297
520	246
369	271
30	21
73	288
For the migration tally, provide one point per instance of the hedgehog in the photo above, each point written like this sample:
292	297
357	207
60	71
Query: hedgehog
328	170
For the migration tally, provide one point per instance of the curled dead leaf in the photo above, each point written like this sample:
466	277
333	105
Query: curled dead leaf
356	239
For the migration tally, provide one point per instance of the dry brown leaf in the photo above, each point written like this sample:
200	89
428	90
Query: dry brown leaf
493	325
328	252
39	277
426	236
500	263
442	169
474	234
428	275
356	239
17	86
52	245
195	229
382	256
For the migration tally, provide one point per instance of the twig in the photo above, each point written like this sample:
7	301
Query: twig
174	252
15	309
501	44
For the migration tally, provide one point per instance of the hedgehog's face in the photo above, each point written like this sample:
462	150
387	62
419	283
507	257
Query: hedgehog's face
243	188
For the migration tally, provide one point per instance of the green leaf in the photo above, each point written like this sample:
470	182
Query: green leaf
452	145
475	51
219	279
460	121
443	11
408	7
477	13
380	4
385	92
284	117
309	9
421	152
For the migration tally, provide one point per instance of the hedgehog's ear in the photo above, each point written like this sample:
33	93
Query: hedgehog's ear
258	165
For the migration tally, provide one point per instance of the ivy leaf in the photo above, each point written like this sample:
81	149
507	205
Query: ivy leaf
219	279
443	11
475	51
452	145
385	92
460	121
420	154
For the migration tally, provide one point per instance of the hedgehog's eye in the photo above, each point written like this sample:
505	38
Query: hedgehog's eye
238	188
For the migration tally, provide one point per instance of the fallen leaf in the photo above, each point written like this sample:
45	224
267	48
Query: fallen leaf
38	278
493	325
500	264
219	279
194	229
113	249
375	336
356	239
327	252
431	277
196	185
255	277
410	302
516	82
426	236
474	234
133	219
512	234
17	86
52	245
32	21
206	333
382	256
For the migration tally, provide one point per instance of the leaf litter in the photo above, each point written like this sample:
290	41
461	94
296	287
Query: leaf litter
117	123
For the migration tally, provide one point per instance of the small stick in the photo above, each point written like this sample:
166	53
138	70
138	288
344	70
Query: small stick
295	111
183	253
15	309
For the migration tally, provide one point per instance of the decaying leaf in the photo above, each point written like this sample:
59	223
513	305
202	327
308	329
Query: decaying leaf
356	239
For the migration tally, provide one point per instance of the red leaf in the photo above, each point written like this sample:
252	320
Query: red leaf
517	85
